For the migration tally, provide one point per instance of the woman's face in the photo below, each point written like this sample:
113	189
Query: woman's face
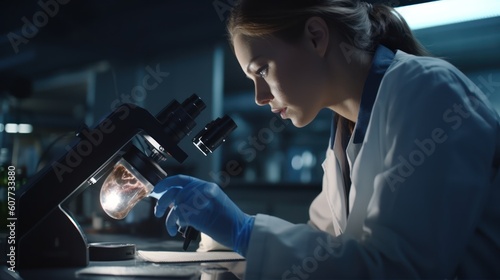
291	78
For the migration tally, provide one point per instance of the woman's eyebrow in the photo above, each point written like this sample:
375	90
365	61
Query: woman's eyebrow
252	61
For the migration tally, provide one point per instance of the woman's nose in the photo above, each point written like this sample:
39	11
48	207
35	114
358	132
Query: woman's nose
263	94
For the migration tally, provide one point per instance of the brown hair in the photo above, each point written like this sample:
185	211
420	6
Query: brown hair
363	25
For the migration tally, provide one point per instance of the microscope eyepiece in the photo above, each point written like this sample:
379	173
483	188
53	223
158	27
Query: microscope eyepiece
178	119
193	105
214	134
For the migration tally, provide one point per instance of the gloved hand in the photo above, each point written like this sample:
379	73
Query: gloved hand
204	206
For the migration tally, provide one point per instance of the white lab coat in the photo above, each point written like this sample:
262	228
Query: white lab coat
425	194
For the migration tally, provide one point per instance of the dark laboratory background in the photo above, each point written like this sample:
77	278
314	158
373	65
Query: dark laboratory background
71	63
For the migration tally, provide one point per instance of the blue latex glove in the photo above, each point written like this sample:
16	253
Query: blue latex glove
204	206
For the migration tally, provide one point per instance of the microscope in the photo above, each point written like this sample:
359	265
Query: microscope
47	235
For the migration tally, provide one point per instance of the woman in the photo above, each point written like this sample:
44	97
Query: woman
411	183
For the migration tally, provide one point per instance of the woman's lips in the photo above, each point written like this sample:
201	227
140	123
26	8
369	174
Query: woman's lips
281	112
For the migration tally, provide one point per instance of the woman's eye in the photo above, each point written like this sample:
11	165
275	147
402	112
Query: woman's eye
262	72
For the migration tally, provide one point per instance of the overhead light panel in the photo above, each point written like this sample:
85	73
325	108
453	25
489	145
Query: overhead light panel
24	128
445	12
11	128
16	128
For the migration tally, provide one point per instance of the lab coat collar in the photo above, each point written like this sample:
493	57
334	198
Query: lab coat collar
381	61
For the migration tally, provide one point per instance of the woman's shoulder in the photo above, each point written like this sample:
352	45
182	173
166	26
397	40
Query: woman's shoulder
409	67
408	73
412	80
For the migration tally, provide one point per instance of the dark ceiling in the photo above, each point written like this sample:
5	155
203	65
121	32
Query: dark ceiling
80	32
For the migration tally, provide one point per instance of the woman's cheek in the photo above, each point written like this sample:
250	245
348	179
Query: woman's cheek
287	88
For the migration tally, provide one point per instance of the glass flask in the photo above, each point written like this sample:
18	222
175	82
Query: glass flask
122	189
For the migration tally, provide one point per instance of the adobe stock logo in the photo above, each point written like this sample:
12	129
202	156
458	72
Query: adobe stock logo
39	19
223	8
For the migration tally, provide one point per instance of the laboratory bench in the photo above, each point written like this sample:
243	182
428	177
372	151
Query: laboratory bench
134	268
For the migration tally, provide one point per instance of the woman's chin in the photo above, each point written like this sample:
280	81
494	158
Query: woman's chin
299	123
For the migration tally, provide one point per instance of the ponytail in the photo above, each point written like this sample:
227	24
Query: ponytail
390	29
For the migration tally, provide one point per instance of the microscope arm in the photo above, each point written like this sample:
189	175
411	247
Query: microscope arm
93	152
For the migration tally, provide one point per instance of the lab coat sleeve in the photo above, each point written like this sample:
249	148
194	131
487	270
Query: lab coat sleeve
419	218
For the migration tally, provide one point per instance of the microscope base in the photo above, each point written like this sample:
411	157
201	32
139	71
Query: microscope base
56	241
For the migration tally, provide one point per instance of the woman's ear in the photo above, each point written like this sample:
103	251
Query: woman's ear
317	34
